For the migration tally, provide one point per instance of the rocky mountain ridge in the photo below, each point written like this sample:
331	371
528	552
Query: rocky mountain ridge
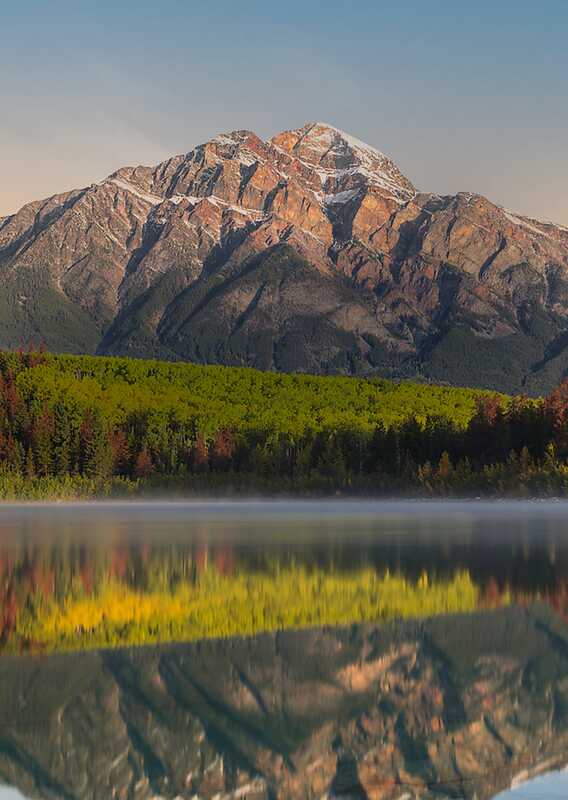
310	251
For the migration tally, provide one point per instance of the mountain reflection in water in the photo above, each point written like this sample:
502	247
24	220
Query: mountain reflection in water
416	651
455	706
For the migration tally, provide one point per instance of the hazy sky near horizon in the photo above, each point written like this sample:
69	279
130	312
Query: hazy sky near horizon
463	96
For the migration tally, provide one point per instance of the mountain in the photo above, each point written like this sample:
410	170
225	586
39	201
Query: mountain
307	252
367	712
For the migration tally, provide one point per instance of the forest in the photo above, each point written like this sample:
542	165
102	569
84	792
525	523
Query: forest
86	426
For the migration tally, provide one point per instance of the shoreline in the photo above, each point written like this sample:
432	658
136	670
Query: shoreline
253	502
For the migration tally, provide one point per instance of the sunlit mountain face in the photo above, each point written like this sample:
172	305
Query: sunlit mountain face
308	252
288	650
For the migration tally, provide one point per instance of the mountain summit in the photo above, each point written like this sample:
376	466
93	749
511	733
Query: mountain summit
310	251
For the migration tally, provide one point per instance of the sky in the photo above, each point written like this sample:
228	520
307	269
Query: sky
462	95
547	787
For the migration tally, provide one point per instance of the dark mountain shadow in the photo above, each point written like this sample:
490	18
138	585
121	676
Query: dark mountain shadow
346	784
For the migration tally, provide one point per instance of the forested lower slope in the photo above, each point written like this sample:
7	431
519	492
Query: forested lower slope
212	397
82	421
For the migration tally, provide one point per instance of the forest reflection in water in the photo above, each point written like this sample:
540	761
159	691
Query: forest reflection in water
392	650
86	576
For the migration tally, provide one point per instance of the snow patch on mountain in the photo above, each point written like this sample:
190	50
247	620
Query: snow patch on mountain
522	223
352	141
342	197
152	199
530	224
349	156
237	141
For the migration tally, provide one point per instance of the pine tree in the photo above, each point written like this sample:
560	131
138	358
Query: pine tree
143	467
332	463
525	462
14	454
222	450
96	451
62	440
200	454
445	467
425	474
30	465
120	452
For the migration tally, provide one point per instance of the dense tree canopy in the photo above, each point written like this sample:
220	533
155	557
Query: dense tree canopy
75	424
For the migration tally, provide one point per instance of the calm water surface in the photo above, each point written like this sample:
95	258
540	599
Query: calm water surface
292	649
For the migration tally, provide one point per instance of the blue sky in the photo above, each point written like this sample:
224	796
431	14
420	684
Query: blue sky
547	787
462	95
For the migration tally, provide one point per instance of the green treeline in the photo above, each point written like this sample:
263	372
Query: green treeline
80	426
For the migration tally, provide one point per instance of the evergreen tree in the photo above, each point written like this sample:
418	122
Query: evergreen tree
222	450
200	454
143	467
62	440
445	467
96	451
30	464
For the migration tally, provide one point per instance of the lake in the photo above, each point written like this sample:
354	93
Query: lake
284	649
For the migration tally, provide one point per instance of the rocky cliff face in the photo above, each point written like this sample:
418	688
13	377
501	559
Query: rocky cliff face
310	251
384	713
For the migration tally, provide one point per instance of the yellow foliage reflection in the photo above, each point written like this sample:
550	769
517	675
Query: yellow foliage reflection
219	605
